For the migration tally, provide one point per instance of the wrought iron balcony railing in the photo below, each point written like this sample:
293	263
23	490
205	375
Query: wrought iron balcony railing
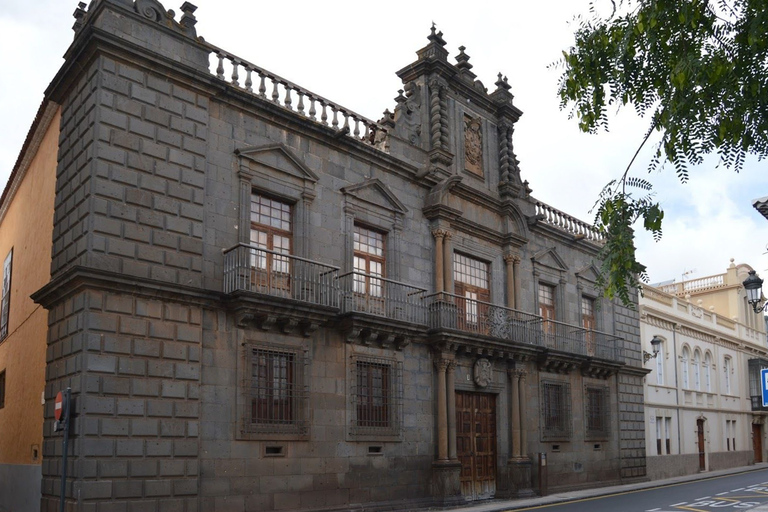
366	293
449	311
253	269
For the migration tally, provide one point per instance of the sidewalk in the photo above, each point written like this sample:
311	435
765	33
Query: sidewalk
502	505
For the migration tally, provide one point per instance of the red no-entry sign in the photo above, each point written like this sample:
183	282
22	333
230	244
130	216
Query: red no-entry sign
58	406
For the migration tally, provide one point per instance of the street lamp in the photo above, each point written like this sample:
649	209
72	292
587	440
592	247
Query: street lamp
754	287
656	345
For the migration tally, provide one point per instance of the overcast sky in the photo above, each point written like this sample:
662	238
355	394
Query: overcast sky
350	54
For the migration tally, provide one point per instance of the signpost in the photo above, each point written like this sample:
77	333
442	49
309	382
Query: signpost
764	385
61	410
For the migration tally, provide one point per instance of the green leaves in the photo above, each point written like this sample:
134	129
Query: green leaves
697	69
617	211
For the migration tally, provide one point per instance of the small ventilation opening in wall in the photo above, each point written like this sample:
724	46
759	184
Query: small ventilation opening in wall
555	447
598	447
375	450
35	452
273	451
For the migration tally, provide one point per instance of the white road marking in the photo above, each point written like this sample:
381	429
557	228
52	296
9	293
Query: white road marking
704	498
720	494
739	489
678	504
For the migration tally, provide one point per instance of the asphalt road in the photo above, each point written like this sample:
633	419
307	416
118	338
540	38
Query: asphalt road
728	493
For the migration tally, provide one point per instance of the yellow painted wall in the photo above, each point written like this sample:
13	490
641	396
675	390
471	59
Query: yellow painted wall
27	228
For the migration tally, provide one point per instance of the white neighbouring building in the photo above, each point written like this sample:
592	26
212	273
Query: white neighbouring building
702	398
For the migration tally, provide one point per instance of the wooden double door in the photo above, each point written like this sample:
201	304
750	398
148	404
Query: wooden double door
476	443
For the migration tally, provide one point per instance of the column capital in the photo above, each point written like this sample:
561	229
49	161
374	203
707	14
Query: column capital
451	365
439	233
521	374
511	257
442	364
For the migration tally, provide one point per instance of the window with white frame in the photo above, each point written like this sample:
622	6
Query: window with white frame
663	428
708	372
660	365
685	363
471	279
271	239
697	370
369	263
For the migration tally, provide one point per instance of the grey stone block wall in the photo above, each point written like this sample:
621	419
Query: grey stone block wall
148	180
73	199
134	368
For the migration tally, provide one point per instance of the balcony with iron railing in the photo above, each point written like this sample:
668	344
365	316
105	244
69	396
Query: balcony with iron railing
454	312
376	301
262	271
379	296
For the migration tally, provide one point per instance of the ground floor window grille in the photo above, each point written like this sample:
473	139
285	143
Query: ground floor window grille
278	395
597	411
663	428
730	435
377	396
555	410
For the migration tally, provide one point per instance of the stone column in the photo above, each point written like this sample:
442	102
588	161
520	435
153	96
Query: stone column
514	375
509	261
439	234
519	463
516	273
442	411
451	410
523	432
448	263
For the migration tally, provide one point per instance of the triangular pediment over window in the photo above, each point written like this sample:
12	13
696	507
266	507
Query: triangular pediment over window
376	193
589	273
274	157
551	259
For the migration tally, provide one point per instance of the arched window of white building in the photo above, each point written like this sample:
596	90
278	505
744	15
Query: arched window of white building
727	369
686	359
660	365
708	372
697	370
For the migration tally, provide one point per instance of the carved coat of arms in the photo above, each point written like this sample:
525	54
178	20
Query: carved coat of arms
483	372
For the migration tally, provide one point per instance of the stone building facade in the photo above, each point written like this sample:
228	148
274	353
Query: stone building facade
264	300
703	403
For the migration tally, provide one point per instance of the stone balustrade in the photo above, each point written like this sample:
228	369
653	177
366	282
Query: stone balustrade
267	85
695	285
565	222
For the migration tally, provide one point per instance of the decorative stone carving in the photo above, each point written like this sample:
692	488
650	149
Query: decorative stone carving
408	114
483	372
150	9
473	145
